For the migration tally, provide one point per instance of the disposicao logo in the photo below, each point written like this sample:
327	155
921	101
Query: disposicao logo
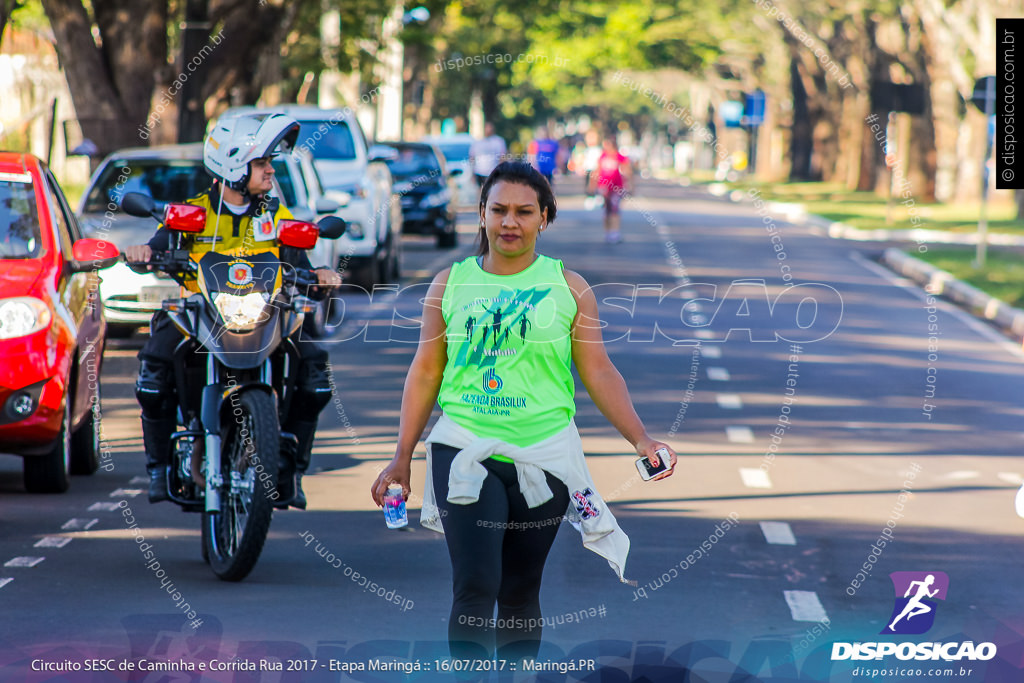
916	596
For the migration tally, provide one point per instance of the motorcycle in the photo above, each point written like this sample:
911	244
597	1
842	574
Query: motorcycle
235	375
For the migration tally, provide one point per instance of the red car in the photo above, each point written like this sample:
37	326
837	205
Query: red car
52	329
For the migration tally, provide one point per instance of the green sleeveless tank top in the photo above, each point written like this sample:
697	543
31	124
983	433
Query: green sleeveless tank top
508	374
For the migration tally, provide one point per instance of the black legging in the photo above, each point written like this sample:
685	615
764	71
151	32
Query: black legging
498	547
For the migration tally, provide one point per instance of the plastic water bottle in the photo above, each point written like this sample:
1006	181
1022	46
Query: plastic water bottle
394	508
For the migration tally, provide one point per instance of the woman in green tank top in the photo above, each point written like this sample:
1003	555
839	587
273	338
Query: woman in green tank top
499	334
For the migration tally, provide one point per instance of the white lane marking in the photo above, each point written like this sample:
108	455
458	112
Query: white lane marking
23	561
109	507
693	306
778	533
739	434
138	480
4	581
962	474
805	606
729	401
79	524
128	493
1010	478
688	294
710	351
52	542
755	478
718	374
949	307
704	334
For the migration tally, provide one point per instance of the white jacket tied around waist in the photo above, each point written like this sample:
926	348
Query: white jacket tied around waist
560	454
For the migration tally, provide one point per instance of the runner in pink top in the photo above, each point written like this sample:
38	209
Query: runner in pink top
612	180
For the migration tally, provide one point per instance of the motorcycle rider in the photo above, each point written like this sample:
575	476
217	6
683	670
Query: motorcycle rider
237	152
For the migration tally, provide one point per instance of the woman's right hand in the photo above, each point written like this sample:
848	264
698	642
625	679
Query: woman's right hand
398	472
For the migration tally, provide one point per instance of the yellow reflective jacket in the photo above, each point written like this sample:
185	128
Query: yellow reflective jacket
226	233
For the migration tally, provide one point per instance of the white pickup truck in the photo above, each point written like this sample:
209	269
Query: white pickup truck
370	250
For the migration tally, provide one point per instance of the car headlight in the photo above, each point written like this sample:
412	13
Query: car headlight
241	312
355	231
436	199
23	315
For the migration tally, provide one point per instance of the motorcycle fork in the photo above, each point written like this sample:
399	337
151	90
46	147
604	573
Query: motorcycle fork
210	413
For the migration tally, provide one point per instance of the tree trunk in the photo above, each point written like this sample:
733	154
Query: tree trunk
801	140
237	69
106	118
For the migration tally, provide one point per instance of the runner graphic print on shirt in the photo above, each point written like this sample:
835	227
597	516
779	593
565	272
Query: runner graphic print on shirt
496	328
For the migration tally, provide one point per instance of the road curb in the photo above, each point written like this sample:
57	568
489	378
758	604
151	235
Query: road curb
935	281
938	282
796	212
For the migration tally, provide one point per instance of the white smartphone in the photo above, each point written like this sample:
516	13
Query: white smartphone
648	471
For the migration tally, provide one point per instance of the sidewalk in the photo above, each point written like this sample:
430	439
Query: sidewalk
934	280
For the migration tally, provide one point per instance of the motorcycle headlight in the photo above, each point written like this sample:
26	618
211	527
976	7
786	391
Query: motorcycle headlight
21	316
436	199
241	312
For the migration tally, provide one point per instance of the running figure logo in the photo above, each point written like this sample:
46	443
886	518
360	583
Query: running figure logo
914	612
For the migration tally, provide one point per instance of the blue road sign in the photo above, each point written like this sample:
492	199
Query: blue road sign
753	109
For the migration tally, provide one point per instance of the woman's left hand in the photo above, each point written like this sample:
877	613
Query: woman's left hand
647	447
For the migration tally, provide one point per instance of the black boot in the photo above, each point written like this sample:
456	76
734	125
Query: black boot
304	433
286	471
156	438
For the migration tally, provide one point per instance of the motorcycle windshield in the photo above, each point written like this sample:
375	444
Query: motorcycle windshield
240	287
239	275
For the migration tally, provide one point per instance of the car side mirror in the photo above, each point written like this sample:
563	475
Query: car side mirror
343	198
331	227
93	254
327	205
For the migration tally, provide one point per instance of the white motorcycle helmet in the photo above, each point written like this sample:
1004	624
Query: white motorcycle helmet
237	140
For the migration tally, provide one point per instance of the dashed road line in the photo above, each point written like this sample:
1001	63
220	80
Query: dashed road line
710	351
108	507
79	524
23	561
1010	478
4	580
755	478
126	493
718	374
52	542
704	334
805	606
739	434
138	480
962	474
729	401
778	533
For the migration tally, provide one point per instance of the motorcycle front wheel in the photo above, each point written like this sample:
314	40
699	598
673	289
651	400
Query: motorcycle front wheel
233	536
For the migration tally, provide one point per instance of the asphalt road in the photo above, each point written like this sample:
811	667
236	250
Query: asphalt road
817	402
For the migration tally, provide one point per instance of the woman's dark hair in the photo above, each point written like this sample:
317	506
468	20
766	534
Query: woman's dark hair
522	173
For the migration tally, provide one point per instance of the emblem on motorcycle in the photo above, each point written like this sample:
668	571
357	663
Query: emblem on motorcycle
239	274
